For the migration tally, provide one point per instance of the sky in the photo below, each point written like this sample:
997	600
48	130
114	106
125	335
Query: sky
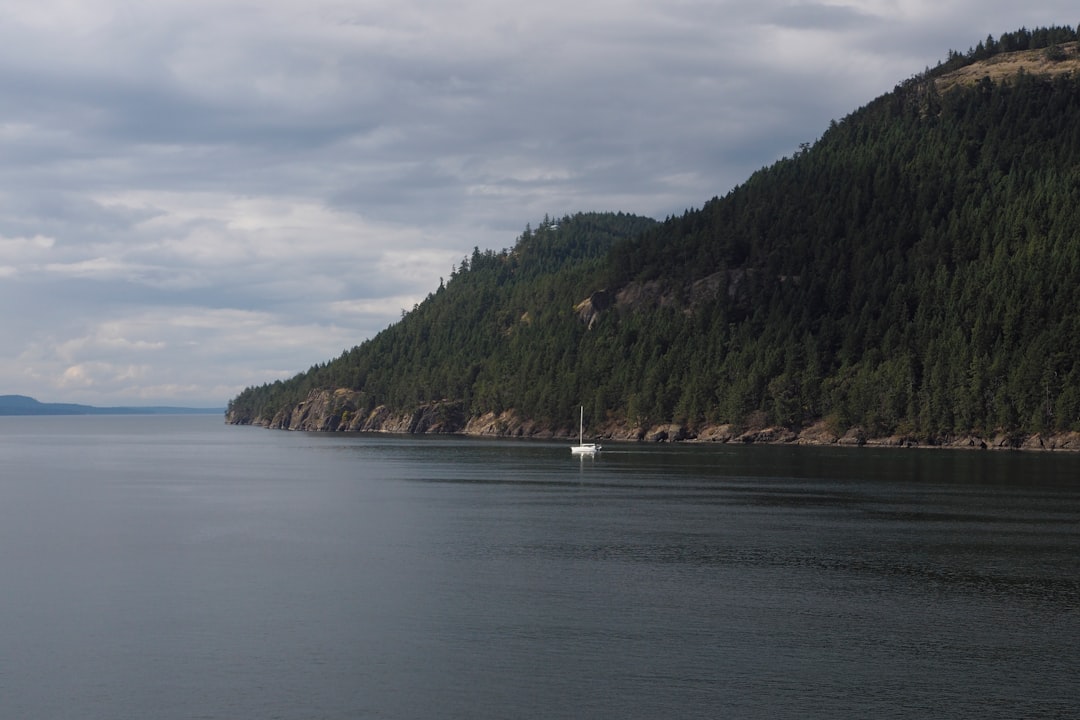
198	196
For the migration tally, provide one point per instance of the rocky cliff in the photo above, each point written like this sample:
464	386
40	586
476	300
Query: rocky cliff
340	411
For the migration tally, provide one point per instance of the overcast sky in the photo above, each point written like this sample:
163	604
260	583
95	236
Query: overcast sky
201	195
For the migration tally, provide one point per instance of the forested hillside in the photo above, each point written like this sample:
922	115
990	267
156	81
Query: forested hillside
915	272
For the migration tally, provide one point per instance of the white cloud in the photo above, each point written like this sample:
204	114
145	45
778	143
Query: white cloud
19	255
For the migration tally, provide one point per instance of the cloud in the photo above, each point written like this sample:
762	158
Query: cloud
822	16
126	355
196	196
19	250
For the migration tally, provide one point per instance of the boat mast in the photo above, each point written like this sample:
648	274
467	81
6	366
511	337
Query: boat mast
581	428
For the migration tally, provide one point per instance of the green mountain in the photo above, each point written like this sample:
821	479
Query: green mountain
915	273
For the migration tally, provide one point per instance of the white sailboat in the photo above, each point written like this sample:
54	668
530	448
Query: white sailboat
583	448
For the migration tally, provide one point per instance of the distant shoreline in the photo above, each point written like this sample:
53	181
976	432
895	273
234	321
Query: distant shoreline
23	406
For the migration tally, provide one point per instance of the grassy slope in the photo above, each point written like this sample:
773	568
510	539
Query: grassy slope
1005	65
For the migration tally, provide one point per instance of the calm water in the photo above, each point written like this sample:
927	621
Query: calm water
175	567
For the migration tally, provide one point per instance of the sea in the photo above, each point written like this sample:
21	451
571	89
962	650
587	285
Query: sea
165	567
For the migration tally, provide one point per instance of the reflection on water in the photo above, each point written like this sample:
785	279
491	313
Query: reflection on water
178	568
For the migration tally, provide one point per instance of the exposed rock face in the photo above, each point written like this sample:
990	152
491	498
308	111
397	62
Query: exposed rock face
589	309
820	433
339	411
666	433
769	435
642	295
505	424
434	418
342	410
717	433
653	294
1064	441
323	410
854	436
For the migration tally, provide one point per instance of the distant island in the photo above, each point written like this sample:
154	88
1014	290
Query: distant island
23	405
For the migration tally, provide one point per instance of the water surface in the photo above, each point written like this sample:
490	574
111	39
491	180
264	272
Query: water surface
176	567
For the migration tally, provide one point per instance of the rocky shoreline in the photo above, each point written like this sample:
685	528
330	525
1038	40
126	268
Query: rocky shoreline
338	411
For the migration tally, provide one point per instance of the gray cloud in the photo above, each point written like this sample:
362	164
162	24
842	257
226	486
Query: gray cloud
199	196
822	16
